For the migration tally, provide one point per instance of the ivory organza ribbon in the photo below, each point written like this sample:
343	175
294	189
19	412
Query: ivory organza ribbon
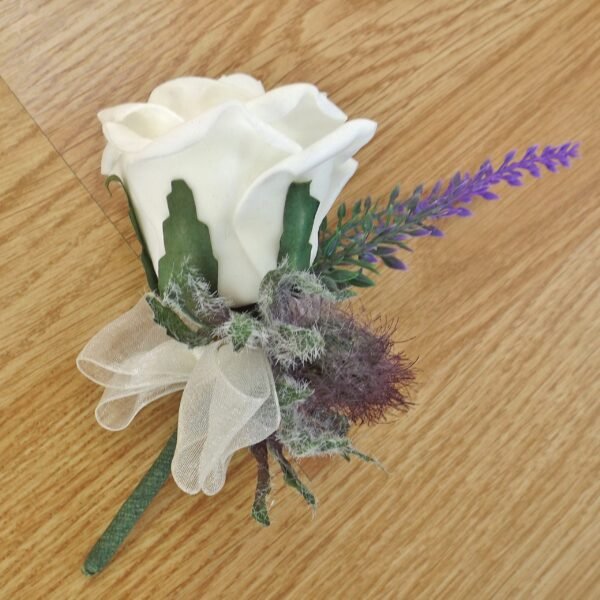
229	399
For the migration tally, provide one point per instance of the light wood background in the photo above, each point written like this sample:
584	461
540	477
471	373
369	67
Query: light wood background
493	487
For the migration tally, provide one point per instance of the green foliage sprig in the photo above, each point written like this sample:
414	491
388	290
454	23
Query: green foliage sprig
367	234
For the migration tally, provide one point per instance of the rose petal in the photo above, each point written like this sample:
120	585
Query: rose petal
146	120
245	82
258	220
300	111
124	139
192	96
110	161
130	127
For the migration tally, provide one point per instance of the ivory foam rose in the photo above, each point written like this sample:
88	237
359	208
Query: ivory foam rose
239	149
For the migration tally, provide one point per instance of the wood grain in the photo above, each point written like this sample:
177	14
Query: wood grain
492	487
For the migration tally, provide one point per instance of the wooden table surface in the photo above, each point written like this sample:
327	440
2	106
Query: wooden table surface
492	484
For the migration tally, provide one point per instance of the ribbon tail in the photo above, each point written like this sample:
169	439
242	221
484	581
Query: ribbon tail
229	403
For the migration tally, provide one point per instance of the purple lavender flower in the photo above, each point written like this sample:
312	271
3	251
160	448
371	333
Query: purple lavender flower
462	188
372	234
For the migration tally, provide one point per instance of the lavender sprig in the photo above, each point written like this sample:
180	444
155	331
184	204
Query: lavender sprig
370	235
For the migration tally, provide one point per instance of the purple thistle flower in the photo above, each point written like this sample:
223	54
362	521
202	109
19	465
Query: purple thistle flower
361	375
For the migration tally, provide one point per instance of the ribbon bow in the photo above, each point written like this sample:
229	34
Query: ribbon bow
229	399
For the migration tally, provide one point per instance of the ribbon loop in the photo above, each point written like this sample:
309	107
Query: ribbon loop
229	400
228	404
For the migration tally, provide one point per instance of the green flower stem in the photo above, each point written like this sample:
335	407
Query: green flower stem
130	512
260	511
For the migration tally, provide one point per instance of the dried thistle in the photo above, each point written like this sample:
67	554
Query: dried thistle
361	374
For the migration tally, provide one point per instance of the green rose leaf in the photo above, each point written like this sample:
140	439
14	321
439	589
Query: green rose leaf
145	255
187	242
298	220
